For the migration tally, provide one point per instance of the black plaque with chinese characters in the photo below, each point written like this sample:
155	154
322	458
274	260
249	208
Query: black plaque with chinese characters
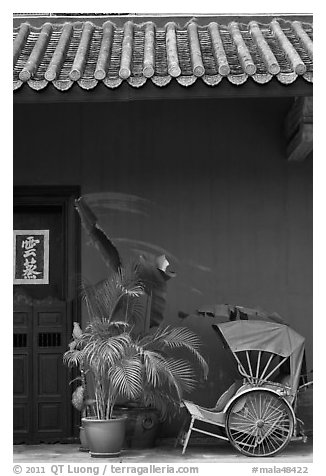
31	256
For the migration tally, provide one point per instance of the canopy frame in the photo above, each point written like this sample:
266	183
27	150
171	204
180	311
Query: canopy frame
285	345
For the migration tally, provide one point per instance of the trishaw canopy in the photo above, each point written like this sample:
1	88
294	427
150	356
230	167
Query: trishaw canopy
266	336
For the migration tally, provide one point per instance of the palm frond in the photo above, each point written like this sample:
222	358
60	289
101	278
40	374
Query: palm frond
165	377
119	324
126	377
133	310
102	329
183	373
153	364
109	297
102	298
73	358
130	281
161	400
160	371
100	353
176	338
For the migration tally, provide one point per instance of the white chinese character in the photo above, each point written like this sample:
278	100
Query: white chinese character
29	243
29	253
29	271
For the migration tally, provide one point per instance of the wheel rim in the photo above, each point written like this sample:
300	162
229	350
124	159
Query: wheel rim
259	423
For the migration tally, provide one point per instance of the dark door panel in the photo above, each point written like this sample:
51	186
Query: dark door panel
51	384
22	373
43	316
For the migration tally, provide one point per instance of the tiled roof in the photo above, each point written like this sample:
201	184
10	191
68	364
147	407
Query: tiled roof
88	54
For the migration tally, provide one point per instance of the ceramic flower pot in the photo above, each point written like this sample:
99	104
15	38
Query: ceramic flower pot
83	440
104	437
141	426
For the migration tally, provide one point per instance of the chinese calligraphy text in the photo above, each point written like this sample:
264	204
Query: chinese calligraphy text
31	256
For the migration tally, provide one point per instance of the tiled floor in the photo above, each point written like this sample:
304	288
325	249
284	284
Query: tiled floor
221	452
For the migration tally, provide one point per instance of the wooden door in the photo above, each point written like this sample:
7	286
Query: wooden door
22	373
40	379
43	317
50	387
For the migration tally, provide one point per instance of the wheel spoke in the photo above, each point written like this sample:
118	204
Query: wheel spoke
254	410
264	443
279	429
240	429
245	417
276	420
252	416
268	402
243	431
281	422
244	441
282	416
256	446
273	411
271	429
269	438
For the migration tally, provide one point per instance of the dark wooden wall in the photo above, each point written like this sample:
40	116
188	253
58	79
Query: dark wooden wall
233	216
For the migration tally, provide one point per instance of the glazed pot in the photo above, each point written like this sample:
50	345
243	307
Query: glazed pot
104	437
141	426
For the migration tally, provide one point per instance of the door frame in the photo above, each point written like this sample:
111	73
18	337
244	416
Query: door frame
63	197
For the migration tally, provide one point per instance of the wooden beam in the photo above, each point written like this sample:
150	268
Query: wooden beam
298	128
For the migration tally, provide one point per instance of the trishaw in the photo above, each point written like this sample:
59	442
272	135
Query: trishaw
257	413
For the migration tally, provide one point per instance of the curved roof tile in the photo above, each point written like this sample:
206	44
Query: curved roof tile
83	52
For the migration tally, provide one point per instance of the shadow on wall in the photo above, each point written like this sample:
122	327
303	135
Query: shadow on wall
132	214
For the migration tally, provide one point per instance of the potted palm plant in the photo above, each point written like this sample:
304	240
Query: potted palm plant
122	363
125	366
105	351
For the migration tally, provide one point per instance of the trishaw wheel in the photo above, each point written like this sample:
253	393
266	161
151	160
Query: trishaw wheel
259	423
